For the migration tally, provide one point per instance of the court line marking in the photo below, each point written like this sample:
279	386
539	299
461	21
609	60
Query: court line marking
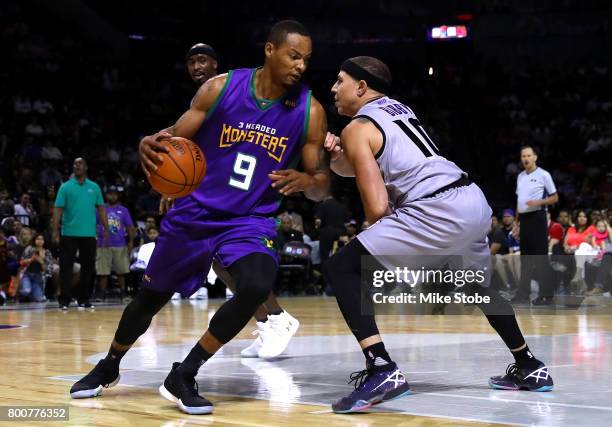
428	415
478	420
424	414
529	402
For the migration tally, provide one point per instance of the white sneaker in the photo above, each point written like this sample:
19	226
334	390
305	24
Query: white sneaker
176	296
282	327
253	349
200	294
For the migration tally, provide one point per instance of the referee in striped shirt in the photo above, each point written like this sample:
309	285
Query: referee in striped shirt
535	190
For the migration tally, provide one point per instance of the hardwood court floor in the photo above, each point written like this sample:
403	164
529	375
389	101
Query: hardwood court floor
447	359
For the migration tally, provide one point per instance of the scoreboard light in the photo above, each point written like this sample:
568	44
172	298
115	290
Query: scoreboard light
448	32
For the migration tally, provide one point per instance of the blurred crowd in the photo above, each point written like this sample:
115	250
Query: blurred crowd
579	260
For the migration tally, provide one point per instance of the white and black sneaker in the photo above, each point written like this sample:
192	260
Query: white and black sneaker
183	390
280	330
104	375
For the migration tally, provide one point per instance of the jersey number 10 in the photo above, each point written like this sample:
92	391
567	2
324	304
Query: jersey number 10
425	144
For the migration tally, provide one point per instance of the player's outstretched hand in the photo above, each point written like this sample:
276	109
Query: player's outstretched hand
165	204
332	144
289	181
147	151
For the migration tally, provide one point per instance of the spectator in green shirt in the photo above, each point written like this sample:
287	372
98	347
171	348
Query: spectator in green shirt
75	209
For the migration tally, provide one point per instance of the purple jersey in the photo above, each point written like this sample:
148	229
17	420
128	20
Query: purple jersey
119	220
244	139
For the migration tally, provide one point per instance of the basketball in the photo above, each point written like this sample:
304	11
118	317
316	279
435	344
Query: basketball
182	170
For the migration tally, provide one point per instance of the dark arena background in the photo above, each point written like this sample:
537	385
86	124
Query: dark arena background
490	81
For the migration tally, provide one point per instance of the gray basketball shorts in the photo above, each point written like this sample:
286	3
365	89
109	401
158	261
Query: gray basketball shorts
426	233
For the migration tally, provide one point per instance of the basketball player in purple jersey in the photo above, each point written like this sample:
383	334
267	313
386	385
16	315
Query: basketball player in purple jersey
418	203
252	125
275	326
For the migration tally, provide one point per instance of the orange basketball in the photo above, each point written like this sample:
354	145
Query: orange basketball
182	170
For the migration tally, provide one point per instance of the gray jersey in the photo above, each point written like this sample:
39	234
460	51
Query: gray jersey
409	160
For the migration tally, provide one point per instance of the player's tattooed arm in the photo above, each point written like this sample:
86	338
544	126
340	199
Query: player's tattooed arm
186	126
359	143
314	181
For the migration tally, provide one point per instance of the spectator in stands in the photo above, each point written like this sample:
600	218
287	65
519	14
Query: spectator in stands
37	263
494	222
577	234
127	179
286	232
152	234
351	229
143	231
51	152
75	209
601	236
594	216
495	237
555	236
565	219
508	220
114	251
5	276
49	176
577	243
7	208
296	218
17	226
42	106
24	211
25	181
501	259
24	239
8	228
147	203
22	104
33	128
342	241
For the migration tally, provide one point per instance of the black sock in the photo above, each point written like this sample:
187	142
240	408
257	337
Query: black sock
525	359
114	356
276	313
376	356
264	320
196	358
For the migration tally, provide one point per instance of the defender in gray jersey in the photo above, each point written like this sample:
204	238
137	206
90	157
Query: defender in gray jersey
419	204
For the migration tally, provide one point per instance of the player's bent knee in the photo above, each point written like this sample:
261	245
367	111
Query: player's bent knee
137	315
346	261
256	290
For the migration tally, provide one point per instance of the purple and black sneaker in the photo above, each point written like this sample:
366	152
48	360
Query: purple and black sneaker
516	378
373	386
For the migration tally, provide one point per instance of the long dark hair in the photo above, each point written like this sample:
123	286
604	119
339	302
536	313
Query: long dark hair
36	236
588	220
